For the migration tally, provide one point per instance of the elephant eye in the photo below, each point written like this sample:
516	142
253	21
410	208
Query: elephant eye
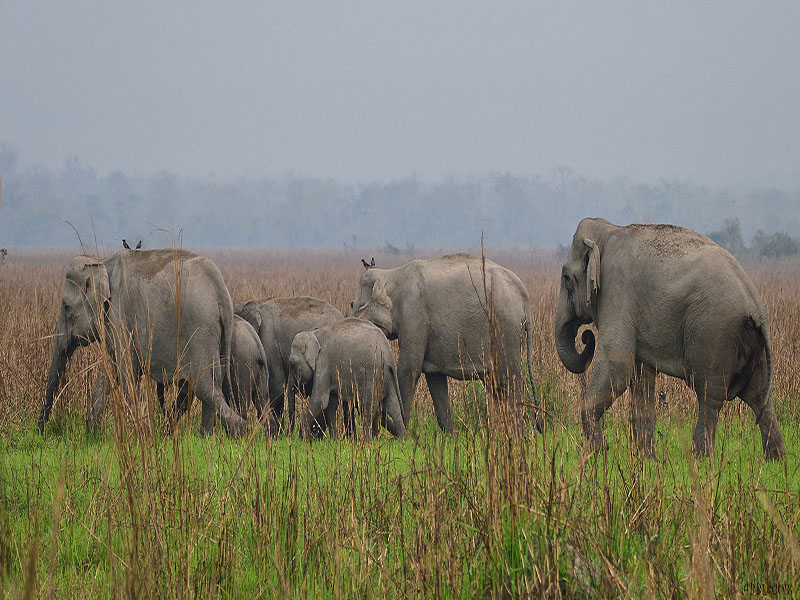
567	281
351	306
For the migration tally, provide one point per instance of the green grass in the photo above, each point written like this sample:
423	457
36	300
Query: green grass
432	516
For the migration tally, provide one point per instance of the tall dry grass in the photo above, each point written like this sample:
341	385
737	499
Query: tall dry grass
136	513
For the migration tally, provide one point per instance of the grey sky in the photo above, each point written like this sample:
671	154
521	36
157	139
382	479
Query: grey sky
375	90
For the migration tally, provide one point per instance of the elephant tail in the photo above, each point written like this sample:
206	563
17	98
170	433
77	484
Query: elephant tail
758	350
529	347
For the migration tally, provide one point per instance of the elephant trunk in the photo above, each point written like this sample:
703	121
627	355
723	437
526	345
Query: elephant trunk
62	351
290	393
567	325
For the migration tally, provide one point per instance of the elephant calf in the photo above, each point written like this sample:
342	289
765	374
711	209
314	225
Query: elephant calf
249	374
350	363
668	299
277	321
249	379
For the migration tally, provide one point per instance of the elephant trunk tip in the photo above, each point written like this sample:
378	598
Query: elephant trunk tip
574	361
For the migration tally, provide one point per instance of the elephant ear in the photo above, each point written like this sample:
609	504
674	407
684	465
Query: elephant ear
250	313
379	294
97	281
310	349
592	269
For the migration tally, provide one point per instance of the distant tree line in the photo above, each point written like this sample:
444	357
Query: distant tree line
534	210
764	246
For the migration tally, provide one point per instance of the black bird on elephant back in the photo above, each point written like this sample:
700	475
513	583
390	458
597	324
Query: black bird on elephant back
667	299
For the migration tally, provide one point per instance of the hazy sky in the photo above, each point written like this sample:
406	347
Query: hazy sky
376	90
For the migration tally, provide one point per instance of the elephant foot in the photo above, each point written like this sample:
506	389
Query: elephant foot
538	422
92	426
235	426
644	445
646	449
701	448
316	431
271	424
595	443
774	450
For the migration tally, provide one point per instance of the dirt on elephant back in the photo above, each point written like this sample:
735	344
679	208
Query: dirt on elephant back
148	263
458	256
299	306
671	240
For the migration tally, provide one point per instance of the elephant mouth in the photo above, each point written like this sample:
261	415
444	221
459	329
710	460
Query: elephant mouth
389	335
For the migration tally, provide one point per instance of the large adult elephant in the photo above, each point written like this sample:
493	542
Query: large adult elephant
162	312
665	299
277	321
439	310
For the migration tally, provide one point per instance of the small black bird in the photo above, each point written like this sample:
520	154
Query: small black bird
368	265
139	245
125	244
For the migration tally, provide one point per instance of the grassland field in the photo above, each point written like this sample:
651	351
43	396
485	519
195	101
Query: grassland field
134	512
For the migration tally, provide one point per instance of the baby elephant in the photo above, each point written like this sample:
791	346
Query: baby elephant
249	379
350	363
249	375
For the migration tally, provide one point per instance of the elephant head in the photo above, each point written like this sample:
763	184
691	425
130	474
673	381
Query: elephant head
577	302
84	304
302	366
374	302
251	313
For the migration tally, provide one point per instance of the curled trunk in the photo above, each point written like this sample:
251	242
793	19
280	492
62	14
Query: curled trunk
566	331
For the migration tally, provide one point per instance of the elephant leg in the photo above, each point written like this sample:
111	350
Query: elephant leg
643	408
437	384
378	417
508	410
99	398
330	415
277	391
245	393
609	380
758	396
209	392
177	411
184	393
710	398
348	414
207	420
160	393
408	372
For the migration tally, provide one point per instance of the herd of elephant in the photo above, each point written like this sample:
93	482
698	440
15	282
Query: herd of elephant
661	298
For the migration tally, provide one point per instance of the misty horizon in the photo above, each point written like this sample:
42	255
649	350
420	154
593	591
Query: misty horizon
40	207
369	92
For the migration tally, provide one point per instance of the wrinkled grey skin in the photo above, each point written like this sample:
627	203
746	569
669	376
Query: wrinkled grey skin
349	363
277	321
436	309
128	302
665	299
